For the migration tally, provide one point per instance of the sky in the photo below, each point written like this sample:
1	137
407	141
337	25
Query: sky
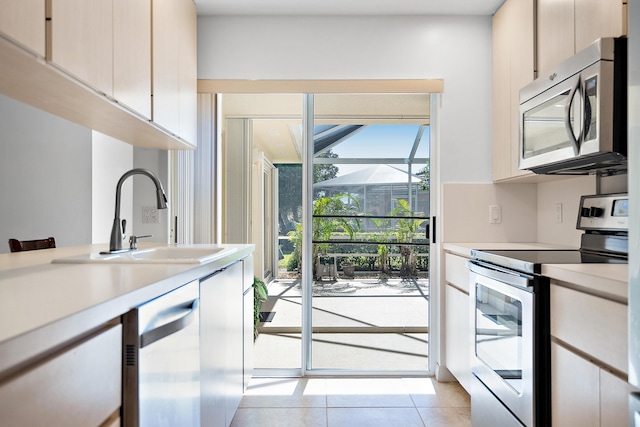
382	141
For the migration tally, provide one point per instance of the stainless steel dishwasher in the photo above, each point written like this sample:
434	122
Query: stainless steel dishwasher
161	361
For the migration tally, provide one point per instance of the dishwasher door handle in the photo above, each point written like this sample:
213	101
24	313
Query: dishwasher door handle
172	327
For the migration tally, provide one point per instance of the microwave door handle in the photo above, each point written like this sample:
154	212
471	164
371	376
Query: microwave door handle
586	116
577	88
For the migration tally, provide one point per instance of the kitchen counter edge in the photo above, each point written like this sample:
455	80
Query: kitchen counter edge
45	306
606	280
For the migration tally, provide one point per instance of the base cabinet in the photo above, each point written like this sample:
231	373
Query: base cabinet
589	344
248	322
584	394
458	337
79	386
458	344
221	345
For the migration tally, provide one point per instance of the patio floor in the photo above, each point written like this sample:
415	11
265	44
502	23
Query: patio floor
359	324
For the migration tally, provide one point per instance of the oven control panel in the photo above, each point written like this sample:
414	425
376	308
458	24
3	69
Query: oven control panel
604	212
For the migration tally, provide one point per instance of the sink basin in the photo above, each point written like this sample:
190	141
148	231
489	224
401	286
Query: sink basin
160	255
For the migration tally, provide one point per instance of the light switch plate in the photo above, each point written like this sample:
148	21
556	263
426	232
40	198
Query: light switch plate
495	214
559	213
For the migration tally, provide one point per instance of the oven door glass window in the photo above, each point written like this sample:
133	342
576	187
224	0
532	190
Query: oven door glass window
498	334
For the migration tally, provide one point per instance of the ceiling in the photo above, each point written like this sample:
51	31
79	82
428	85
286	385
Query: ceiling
347	7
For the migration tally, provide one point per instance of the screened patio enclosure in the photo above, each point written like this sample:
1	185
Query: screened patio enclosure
376	189
370	211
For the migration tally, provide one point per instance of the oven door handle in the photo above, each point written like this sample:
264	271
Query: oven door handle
510	277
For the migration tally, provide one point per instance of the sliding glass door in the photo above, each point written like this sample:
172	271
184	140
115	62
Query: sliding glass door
369	203
344	254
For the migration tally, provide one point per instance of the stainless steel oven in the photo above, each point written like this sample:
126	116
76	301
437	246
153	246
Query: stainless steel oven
511	345
510	314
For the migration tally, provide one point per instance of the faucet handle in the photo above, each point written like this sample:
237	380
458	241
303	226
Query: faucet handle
133	241
124	227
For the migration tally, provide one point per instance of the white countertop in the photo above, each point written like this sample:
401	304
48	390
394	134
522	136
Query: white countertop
607	280
43	304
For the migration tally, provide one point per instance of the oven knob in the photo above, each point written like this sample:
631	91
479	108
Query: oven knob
596	212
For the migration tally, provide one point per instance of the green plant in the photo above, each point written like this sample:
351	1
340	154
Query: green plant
405	231
323	228
382	238
260	295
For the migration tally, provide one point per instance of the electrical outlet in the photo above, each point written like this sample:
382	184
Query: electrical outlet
150	215
495	214
559	213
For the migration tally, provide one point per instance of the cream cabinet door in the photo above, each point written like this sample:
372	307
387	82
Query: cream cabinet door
598	18
174	67
555	35
132	54
593	325
575	390
458	335
566	27
513	68
614	400
166	64
78	387
188	73
501	98
82	41
23	21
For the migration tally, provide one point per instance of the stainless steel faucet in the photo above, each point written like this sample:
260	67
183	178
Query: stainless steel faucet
118	228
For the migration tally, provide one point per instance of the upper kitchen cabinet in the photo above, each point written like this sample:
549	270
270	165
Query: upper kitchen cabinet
568	26
23	21
82	41
175	67
107	45
512	68
99	71
132	54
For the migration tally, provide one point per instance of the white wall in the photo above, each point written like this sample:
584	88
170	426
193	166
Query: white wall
144	193
111	159
456	49
465	217
45	176
566	192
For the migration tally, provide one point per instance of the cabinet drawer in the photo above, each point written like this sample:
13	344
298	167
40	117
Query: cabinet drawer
575	391
595	326
79	387
457	272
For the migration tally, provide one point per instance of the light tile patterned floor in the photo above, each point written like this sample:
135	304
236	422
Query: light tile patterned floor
353	402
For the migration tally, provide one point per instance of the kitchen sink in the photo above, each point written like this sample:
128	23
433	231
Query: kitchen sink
159	255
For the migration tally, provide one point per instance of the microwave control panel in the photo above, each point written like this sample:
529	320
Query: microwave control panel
605	212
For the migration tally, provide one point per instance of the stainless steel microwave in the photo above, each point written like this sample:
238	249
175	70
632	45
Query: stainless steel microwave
573	120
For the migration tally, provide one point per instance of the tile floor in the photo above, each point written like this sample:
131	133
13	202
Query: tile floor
353	402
